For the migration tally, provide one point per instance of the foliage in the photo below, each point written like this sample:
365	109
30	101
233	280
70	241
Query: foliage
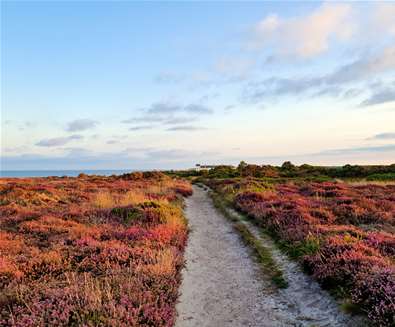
290	171
381	177
92	250
342	234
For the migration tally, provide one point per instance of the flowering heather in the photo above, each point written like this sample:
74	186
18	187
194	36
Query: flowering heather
91	251
343	234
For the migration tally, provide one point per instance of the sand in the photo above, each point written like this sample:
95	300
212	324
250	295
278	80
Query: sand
223	285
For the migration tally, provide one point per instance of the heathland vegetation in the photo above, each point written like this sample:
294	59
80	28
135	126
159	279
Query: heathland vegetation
92	250
108	251
341	231
288	171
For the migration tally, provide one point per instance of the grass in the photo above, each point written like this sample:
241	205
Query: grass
91	250
365	182
261	252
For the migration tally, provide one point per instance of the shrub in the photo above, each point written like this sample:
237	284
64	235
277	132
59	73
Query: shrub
91	251
375	290
337	231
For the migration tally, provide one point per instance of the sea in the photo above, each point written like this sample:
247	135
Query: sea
60	173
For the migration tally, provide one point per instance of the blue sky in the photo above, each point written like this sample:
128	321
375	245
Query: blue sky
141	85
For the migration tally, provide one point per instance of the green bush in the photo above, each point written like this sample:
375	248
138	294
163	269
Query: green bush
381	177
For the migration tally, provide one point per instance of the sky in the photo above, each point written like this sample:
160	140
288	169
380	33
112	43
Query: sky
159	85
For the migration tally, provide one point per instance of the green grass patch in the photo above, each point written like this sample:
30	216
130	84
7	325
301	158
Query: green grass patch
381	177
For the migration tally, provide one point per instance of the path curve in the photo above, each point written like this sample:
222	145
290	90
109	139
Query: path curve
223	286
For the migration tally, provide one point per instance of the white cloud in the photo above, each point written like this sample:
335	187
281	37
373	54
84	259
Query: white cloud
383	136
58	141
384	95
306	36
141	128
80	125
335	83
185	128
384	17
168	107
366	67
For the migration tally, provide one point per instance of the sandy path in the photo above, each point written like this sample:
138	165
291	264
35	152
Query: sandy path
223	286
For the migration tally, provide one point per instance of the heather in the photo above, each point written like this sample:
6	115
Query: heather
342	234
92	250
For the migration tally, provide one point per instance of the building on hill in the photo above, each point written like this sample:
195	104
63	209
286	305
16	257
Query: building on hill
204	167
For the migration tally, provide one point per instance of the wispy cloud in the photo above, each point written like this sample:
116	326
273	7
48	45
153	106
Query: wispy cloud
330	26
165	120
179	120
185	128
383	61
81	125
170	107
169	115
363	149
383	136
229	107
144	119
333	83
381	96
58	141
141	128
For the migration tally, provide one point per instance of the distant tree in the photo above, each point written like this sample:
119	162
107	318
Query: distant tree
288	165
241	166
352	171
223	171
269	171
251	170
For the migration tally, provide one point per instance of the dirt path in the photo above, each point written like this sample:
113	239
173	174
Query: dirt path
223	286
